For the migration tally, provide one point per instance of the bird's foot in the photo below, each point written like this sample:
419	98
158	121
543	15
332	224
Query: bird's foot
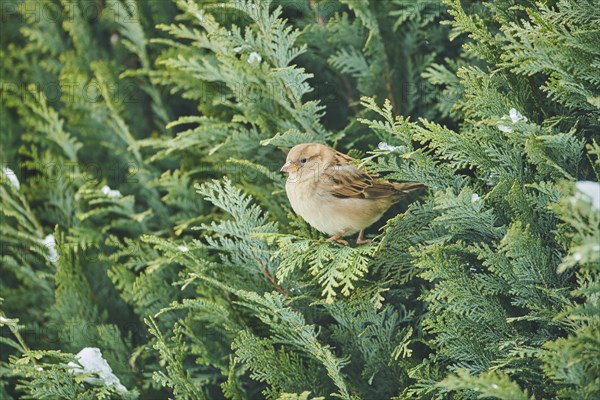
361	239
338	238
340	241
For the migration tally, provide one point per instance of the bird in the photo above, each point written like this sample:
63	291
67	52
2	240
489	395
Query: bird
330	192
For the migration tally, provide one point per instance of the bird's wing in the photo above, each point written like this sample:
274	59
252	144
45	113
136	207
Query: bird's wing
346	180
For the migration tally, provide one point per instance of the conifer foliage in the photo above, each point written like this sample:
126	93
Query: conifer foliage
148	249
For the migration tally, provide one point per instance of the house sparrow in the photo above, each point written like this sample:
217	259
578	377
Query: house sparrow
333	195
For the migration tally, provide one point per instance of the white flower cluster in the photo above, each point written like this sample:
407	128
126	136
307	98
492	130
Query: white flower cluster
514	117
589	191
92	362
254	58
12	177
387	147
50	242
113	194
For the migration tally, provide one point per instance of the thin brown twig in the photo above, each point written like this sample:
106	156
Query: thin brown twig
267	275
313	6
345	81
275	284
388	82
349	97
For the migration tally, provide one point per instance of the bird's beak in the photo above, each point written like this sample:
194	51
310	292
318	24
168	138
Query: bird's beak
289	167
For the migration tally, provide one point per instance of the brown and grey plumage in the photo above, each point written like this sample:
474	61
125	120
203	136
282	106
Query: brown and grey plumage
333	195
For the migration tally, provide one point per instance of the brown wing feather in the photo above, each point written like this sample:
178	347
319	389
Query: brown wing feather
351	182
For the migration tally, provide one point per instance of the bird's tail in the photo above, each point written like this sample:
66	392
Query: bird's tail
407	187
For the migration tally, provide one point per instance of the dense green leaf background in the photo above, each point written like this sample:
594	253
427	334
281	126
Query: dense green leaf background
142	211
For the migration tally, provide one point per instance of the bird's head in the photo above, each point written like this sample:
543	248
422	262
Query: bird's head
307	157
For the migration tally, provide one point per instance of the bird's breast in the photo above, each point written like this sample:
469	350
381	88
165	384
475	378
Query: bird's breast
330	214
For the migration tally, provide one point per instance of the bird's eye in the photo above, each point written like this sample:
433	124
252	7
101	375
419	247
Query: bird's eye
303	160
